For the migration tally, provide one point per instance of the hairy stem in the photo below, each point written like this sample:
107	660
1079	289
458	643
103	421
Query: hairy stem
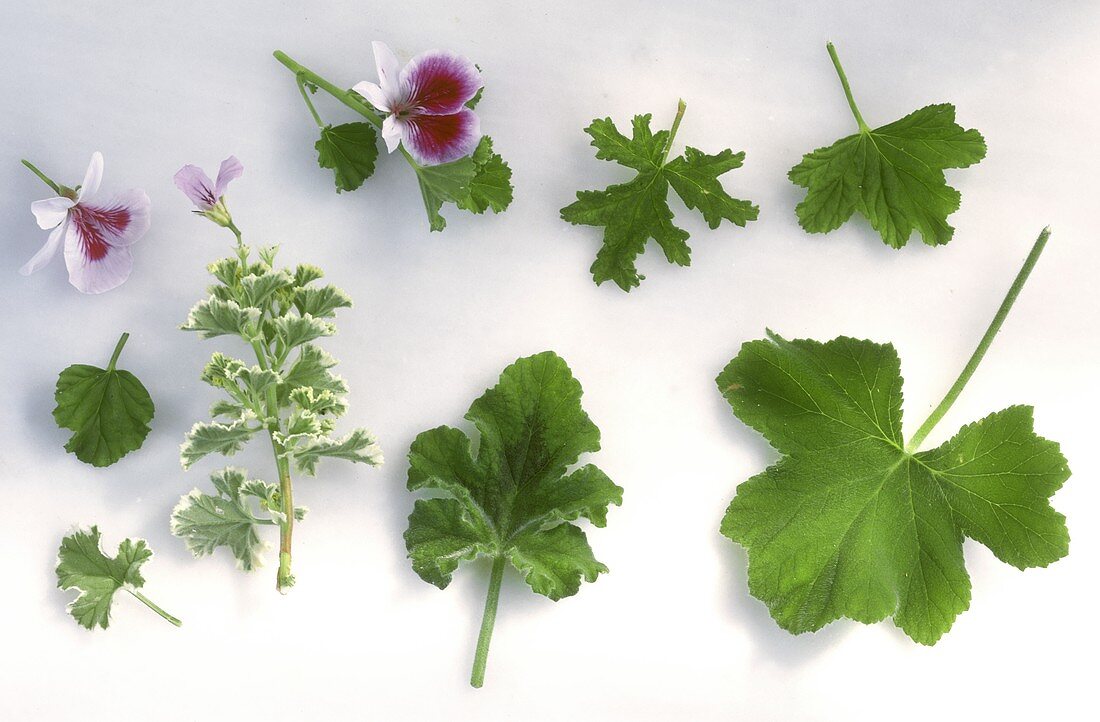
149	603
863	127
347	97
488	618
680	108
118	350
43	177
983	345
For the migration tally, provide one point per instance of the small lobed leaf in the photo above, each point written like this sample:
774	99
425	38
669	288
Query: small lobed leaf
82	565
204	438
216	317
206	522
637	211
358	446
108	411
350	150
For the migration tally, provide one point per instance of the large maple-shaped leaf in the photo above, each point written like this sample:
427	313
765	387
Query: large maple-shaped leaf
851	523
514	500
892	175
634	212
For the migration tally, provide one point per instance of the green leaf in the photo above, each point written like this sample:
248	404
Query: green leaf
634	212
216	317
514	500
108	411
82	565
358	446
849	523
321	302
311	370
213	438
206	522
350	151
444	183
892	175
491	186
304	274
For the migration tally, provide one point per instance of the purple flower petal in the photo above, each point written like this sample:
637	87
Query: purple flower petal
435	139
439	83
196	185
231	169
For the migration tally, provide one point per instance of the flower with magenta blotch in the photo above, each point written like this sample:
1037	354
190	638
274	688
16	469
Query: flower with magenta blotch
209	196
425	103
97	236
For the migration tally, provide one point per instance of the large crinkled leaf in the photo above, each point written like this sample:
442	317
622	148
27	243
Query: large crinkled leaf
892	176
206	522
82	565
632	213
514	499
848	523
108	411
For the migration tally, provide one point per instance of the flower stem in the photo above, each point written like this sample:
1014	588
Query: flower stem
44	178
346	97
863	127
149	603
309	102
118	350
680	108
488	618
983	345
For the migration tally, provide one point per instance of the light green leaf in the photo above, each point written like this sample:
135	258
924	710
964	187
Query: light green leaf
311	370
297	330
206	522
350	151
257	289
849	523
634	212
215	317
108	411
82	565
304	274
212	438
892	175
358	446
321	302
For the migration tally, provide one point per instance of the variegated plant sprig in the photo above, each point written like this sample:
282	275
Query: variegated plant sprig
289	393
425	109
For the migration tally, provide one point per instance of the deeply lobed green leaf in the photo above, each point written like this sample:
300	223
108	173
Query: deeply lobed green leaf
634	212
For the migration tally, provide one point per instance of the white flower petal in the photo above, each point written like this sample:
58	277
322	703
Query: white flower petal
388	68
374	95
391	133
51	211
46	252
92	178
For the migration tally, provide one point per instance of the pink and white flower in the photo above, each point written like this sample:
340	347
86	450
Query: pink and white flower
97	236
207	195
426	104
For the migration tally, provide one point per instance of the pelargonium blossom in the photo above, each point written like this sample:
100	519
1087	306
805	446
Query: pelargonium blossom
208	196
426	104
97	236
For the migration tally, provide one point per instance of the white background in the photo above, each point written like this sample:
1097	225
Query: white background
671	632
